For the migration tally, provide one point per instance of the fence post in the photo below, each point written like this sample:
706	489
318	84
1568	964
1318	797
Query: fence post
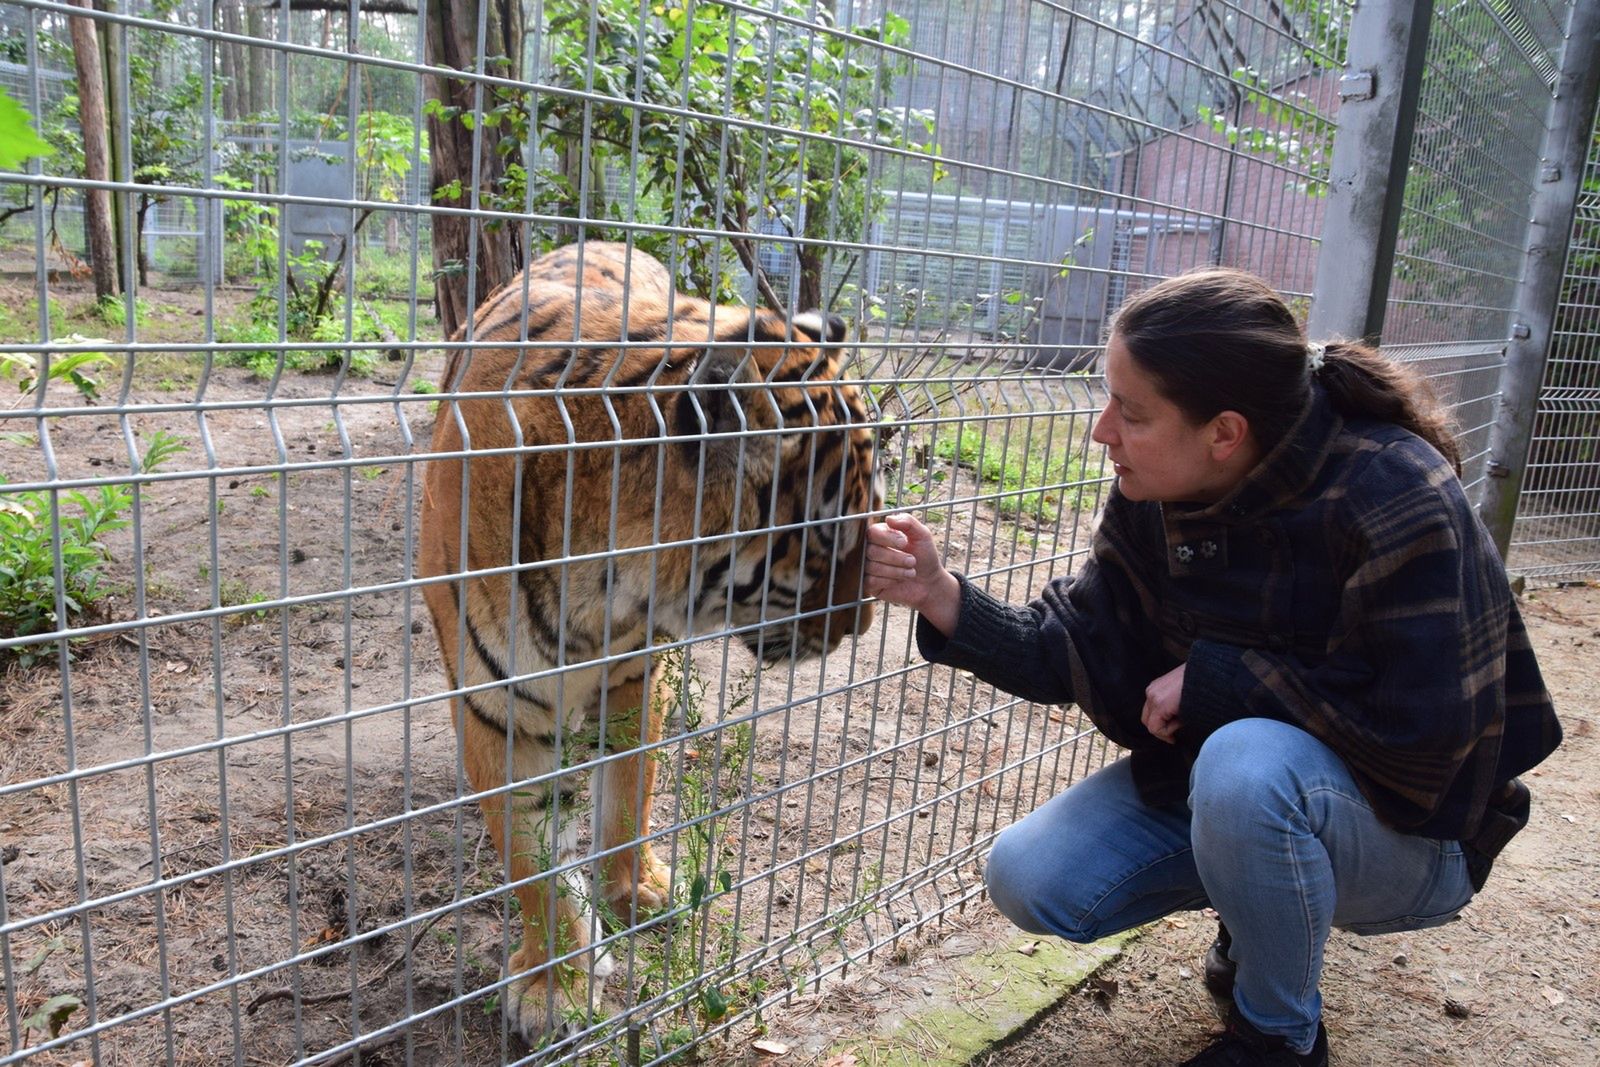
1568	128
1367	174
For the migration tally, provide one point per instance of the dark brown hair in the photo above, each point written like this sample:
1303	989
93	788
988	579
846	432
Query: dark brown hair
1219	339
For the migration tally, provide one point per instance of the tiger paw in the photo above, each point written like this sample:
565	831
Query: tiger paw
650	892
543	1011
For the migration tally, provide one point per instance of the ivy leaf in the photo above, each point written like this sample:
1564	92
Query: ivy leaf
19	141
52	1014
715	1004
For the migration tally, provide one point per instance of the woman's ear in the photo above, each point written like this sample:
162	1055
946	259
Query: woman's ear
1230	431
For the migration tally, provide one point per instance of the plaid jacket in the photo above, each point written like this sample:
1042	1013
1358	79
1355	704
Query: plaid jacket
1345	586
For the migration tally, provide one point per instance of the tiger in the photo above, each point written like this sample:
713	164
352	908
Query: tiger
620	496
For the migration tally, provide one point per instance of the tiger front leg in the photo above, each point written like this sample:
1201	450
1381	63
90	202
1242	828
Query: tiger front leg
635	882
533	829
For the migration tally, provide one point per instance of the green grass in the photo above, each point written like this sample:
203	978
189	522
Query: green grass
1034	464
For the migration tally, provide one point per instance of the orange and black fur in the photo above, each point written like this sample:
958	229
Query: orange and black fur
619	495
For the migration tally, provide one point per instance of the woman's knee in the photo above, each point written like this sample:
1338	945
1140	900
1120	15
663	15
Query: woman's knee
1034	898
1243	766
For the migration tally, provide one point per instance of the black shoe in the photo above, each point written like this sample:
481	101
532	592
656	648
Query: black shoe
1245	1046
1219	969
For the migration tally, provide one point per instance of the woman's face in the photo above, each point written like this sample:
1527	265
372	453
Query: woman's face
1158	453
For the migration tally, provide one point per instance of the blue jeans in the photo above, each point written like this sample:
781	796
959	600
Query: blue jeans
1276	837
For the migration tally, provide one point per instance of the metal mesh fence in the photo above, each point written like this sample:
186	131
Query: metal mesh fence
1557	531
258	806
1474	161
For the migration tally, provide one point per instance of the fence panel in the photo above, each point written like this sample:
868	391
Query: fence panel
1557	529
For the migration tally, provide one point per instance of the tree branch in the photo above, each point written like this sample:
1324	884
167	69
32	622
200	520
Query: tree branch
368	7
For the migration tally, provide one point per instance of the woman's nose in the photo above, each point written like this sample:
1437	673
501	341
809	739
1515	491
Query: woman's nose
1101	434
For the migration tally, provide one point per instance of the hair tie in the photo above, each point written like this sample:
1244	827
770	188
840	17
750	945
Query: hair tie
1316	356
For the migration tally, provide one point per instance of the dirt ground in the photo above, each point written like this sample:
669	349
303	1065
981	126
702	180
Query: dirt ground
310	806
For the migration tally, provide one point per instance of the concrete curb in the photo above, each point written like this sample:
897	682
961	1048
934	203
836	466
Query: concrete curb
982	1000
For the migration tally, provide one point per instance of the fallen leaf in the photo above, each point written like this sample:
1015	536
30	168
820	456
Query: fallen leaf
1103	989
1028	948
1554	996
1175	922
1455	1009
771	1048
843	1059
1185	973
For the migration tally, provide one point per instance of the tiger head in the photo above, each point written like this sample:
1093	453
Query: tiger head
774	408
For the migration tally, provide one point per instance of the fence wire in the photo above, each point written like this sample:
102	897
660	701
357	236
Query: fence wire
1475	156
261	803
1557	530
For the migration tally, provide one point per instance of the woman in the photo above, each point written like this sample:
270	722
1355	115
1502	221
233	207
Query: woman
1295	622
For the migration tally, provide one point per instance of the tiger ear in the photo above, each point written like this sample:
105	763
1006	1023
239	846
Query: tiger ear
828	329
712	403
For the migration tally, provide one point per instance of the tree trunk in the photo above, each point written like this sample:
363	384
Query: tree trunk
452	36
113	45
145	203
96	154
225	14
258	97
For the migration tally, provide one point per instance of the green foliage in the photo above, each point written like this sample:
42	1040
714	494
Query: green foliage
30	546
19	142
250	231
1286	128
28	550
789	70
262	329
113	310
386	277
72	367
1035	467
384	146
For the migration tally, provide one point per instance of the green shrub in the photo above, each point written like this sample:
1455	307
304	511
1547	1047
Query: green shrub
27	559
262	329
1017	466
28	552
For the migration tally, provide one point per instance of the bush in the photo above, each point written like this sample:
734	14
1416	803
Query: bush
262	329
28	552
27	559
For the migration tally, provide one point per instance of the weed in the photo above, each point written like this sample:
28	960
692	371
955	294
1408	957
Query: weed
260	491
235	593
69	366
163	446
38	529
422	385
371	474
1031	482
113	310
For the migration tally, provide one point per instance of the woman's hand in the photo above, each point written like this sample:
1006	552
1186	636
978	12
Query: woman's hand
903	567
1161	700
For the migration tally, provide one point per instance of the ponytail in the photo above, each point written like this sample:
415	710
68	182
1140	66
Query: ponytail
1360	381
